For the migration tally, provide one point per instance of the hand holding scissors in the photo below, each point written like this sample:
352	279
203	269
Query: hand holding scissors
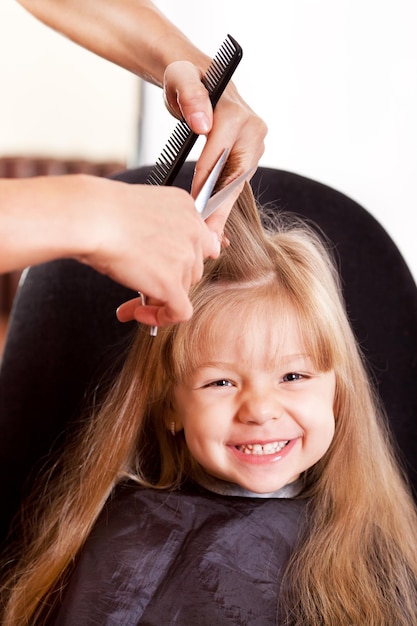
205	205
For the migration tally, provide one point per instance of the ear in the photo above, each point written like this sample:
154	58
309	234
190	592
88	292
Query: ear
172	420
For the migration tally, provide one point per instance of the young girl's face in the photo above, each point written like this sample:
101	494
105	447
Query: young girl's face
255	411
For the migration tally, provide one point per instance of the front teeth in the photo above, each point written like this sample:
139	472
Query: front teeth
257	448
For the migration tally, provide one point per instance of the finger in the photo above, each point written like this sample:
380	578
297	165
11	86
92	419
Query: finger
126	311
211	248
239	160
152	315
241	132
185	96
217	220
169	313
177	310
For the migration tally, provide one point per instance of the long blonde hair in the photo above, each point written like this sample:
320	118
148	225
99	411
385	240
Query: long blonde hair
356	562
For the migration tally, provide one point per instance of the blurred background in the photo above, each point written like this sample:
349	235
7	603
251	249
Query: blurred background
336	83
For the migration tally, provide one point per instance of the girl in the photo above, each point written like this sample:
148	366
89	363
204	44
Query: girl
239	471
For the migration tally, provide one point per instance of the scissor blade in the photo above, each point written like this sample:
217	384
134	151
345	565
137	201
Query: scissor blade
205	192
222	195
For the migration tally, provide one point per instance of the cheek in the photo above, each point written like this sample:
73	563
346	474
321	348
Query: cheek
328	433
192	420
325	409
316	419
199	443
321	434
204	434
199	431
203	417
183	408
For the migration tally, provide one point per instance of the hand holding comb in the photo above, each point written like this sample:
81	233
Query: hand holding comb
182	140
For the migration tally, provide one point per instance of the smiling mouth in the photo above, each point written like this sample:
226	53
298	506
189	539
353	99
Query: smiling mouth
260	449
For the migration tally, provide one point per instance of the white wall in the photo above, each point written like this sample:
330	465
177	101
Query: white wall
336	82
57	99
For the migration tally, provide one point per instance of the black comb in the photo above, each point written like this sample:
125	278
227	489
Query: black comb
182	140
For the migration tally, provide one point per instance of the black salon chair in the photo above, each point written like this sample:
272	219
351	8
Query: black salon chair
64	338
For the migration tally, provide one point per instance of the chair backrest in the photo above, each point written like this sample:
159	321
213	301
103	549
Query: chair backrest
63	334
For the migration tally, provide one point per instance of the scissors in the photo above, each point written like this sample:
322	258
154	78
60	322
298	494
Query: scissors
206	204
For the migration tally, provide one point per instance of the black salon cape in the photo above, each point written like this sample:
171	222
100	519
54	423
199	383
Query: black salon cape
183	558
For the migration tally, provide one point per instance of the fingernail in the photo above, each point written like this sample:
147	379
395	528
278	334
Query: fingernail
200	122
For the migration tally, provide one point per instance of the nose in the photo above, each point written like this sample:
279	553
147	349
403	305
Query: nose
258	407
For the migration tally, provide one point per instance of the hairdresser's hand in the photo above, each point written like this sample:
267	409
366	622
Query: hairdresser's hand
148	238
156	243
233	125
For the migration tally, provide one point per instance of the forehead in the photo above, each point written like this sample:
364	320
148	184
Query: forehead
257	329
257	333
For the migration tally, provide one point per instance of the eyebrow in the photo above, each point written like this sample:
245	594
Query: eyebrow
280	361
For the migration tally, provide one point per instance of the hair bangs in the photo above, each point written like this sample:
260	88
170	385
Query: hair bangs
236	312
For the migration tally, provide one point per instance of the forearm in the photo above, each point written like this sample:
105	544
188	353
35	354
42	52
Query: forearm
40	220
131	33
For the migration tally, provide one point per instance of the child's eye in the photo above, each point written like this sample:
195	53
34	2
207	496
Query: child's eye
291	377
220	383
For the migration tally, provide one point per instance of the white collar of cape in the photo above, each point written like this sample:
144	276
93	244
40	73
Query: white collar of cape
224	488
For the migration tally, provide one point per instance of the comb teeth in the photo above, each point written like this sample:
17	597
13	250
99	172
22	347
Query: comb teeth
177	144
221	68
180	143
